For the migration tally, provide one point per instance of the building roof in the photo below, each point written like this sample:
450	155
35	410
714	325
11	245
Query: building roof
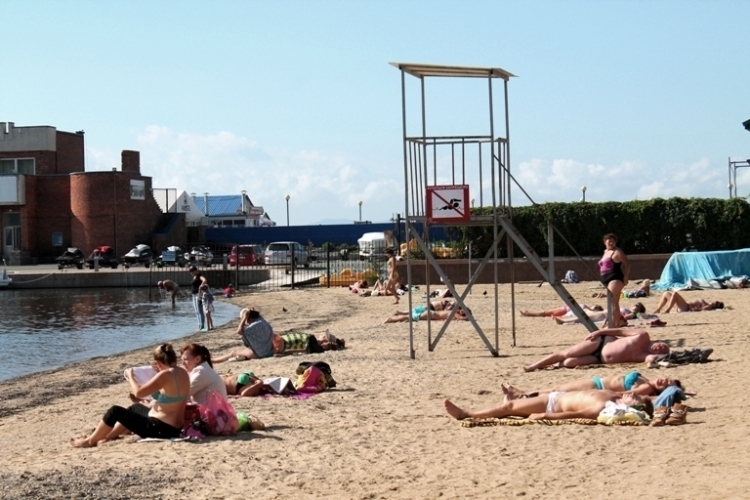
422	70
221	205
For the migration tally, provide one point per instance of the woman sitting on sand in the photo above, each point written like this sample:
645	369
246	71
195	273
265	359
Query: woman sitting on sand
674	299
630	382
203	379
421	312
169	388
256	334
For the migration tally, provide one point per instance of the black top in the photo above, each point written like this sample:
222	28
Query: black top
197	282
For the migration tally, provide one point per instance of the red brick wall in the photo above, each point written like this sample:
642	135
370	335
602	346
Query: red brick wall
94	212
52	214
70	153
46	161
131	161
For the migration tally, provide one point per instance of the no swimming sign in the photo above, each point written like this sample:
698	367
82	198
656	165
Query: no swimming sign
448	203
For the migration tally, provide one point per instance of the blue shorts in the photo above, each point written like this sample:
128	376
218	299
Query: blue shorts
417	312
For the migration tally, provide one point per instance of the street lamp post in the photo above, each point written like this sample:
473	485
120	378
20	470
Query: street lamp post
287	210
360	210
583	190
472	203
730	186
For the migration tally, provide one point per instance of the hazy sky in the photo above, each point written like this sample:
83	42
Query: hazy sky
634	99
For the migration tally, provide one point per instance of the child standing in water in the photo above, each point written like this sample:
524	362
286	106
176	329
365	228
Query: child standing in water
208	305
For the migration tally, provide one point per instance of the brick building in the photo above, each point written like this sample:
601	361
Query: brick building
48	201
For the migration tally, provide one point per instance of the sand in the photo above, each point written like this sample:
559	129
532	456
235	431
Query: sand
383	432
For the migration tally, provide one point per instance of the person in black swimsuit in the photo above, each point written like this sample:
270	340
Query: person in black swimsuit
614	269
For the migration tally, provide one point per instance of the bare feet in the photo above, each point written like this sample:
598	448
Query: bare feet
454	411
81	443
529	368
525	313
510	393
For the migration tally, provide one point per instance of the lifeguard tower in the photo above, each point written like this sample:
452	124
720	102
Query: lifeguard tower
441	175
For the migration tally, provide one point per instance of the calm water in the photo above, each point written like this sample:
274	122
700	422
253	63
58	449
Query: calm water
45	329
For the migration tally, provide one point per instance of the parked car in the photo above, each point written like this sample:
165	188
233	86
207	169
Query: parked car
287	252
198	255
72	257
172	256
106	256
141	254
249	255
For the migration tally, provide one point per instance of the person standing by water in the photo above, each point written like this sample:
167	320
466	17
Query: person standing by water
208	305
170	287
198	280
614	269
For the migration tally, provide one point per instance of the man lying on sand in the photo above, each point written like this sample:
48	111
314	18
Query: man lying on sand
630	382
606	346
556	406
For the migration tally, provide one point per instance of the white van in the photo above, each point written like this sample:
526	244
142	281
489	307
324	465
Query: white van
373	245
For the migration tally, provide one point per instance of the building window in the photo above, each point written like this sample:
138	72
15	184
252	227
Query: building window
137	190
17	166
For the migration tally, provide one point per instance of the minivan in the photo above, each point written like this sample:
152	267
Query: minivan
286	252
249	255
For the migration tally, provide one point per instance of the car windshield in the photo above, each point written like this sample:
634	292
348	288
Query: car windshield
276	247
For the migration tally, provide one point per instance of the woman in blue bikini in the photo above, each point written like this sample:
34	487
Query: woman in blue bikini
630	382
169	390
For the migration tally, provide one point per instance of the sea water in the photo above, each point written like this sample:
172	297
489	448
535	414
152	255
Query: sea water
45	329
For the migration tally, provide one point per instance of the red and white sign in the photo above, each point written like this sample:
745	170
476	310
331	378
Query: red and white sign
448	204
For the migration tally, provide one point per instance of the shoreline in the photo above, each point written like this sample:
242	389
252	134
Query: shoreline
179	336
383	431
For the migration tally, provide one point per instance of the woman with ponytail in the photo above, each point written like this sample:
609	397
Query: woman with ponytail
203	379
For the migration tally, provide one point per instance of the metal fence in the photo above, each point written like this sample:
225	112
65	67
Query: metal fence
309	266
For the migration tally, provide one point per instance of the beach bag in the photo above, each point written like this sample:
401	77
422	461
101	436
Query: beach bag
311	381
218	416
320	365
571	277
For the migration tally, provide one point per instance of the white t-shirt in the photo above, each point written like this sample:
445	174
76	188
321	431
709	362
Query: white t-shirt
203	380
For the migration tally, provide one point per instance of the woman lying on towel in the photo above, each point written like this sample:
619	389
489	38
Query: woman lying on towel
599	315
558	312
632	382
296	342
169	388
674	299
438	310
556	406
244	385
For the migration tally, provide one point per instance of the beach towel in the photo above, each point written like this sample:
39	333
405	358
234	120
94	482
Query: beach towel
517	422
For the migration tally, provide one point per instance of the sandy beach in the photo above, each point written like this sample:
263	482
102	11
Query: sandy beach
383	432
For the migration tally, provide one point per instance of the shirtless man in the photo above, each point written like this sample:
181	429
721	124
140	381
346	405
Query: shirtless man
555	406
606	346
170	287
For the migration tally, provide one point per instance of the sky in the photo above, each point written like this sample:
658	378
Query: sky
632	99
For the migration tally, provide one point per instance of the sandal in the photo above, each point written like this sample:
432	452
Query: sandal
677	415
661	414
